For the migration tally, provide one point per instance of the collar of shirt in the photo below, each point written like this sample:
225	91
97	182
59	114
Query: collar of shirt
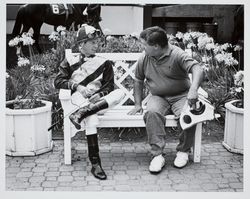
165	54
84	58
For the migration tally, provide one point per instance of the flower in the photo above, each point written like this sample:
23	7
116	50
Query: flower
22	61
37	68
27	39
14	42
239	78
54	36
60	28
237	90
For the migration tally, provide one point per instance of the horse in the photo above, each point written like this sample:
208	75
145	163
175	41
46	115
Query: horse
34	15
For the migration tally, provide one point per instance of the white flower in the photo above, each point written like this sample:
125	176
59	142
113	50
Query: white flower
238	89
60	28
190	45
195	35
226	58
27	39
203	40
239	78
186	37
109	37
22	61
14	42
37	68
237	48
62	33
7	75
54	36
226	46
125	37
171	37
179	35
210	46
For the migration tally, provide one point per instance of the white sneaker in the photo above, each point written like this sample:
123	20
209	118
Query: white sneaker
181	159
156	164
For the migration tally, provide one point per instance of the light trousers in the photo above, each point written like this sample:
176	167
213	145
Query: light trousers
90	123
157	108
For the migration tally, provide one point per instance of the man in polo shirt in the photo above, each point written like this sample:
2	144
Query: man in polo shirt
91	81
165	68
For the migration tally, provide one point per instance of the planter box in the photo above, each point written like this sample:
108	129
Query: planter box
233	132
26	130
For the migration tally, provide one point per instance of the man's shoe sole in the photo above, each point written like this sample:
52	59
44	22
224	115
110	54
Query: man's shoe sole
180	167
157	172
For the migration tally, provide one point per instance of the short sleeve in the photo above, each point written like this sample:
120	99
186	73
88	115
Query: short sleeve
186	61
139	70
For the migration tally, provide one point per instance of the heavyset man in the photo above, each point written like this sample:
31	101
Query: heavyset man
91	80
165	68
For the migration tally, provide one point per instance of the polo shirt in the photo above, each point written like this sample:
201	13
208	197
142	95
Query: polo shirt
168	75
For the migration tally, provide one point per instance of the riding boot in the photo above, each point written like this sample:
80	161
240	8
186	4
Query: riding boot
94	157
86	111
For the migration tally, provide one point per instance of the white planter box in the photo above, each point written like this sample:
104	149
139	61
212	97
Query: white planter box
26	130
233	132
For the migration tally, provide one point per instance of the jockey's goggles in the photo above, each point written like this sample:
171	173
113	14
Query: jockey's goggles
95	33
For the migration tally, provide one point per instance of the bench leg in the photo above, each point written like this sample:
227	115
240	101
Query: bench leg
67	141
197	143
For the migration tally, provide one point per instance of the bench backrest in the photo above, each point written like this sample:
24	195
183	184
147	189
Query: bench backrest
124	67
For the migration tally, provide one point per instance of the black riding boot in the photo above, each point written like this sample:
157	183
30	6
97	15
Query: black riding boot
94	157
86	111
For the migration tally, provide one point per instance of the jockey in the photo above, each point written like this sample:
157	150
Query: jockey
91	80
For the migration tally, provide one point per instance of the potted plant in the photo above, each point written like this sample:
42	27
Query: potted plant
27	121
29	88
233	132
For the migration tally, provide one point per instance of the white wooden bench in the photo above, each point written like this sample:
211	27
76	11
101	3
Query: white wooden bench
117	117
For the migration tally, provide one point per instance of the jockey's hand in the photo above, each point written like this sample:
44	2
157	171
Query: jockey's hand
84	91
94	98
136	109
192	98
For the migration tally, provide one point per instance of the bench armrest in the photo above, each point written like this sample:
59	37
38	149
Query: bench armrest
202	92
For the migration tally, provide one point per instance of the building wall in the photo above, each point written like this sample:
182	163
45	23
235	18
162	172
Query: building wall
122	20
223	15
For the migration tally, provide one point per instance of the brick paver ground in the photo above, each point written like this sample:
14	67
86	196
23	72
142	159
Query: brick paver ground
126	165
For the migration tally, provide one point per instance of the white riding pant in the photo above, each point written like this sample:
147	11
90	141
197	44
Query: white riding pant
90	123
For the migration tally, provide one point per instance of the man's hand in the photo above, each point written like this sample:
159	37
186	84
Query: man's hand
192	98
84	91
136	109
94	98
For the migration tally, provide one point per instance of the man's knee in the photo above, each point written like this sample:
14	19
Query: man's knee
115	97
153	116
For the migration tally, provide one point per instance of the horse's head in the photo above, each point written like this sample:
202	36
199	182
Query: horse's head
94	12
88	13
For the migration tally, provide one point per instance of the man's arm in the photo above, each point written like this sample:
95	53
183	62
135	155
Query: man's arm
197	78
63	76
138	90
